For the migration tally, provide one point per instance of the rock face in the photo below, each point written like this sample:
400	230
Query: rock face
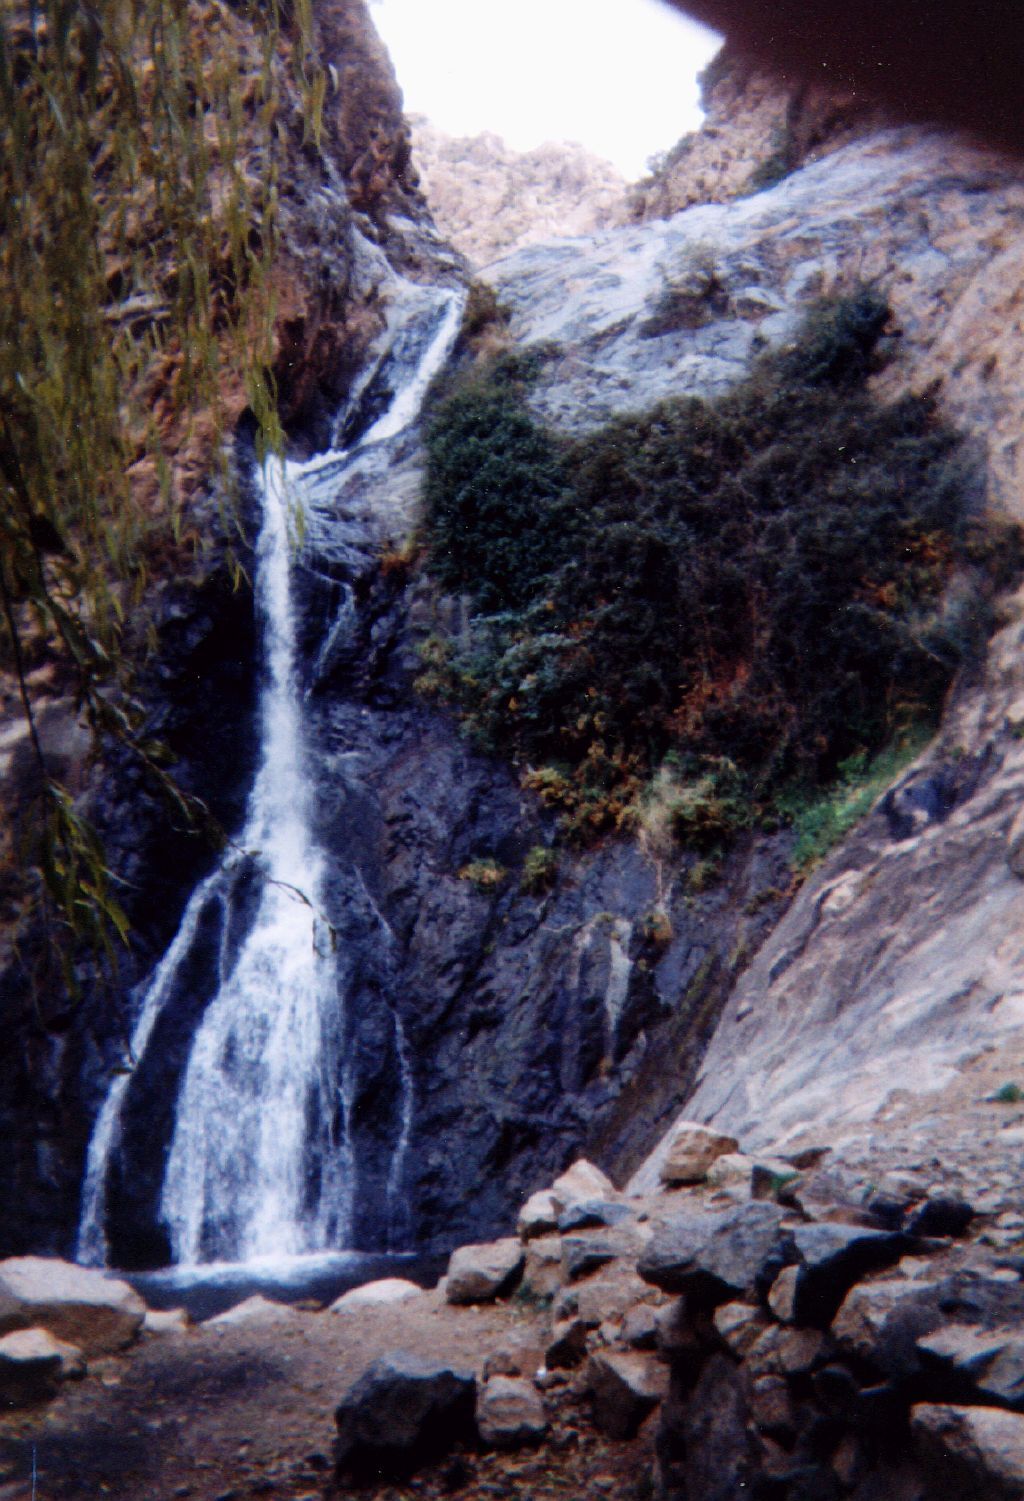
759	126
488	200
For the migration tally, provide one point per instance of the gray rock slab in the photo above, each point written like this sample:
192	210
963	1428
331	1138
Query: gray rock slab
715	1257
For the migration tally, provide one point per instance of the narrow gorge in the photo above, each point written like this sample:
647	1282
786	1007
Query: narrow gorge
634	935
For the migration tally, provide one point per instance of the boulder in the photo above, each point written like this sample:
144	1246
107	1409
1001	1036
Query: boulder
640	1327
782	1297
79	1305
510	1413
884	1321
941	1215
402	1412
608	1294
373	1294
973	1451
542	1269
691	1152
989	1360
582	1181
254	1310
780	1351
32	1363
715	1257
480	1273
166	1321
539	1215
583	1254
831	1258
740	1325
520	1353
591	1213
568	1345
771	1407
624	1389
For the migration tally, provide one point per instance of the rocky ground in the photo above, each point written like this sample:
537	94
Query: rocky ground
822	1326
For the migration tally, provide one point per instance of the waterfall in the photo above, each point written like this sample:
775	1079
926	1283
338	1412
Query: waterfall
260	1161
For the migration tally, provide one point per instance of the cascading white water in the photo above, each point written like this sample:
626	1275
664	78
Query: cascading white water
260	1162
235	1179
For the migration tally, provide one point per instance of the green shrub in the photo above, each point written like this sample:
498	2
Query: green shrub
485	875
756	585
822	817
540	870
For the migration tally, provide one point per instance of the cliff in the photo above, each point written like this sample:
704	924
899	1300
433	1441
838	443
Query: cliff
760	124
488	200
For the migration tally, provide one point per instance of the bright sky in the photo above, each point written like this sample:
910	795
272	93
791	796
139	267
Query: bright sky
617	75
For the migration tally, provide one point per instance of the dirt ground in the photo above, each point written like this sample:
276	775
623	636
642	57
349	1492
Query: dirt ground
230	1413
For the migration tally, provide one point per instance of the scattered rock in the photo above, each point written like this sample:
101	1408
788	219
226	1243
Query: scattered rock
568	1345
715	1256
974	1451
732	1173
371	1294
539	1215
77	1304
771	1406
691	1152
787	1352
400	1413
991	1361
942	1215
480	1273
166	1321
32	1363
740	1325
582	1254
832	1258
640	1327
593	1213
510	1412
542	1269
519	1354
782	1297
582	1181
884	1321
624	1389
254	1310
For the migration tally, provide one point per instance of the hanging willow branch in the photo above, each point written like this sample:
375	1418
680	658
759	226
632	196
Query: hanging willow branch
138	224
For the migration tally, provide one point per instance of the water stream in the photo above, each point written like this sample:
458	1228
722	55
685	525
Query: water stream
260	1163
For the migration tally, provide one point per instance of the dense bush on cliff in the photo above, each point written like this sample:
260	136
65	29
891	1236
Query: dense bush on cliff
752	587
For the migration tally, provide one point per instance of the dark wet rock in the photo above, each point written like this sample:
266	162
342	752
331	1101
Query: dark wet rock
715	1257
403	1412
